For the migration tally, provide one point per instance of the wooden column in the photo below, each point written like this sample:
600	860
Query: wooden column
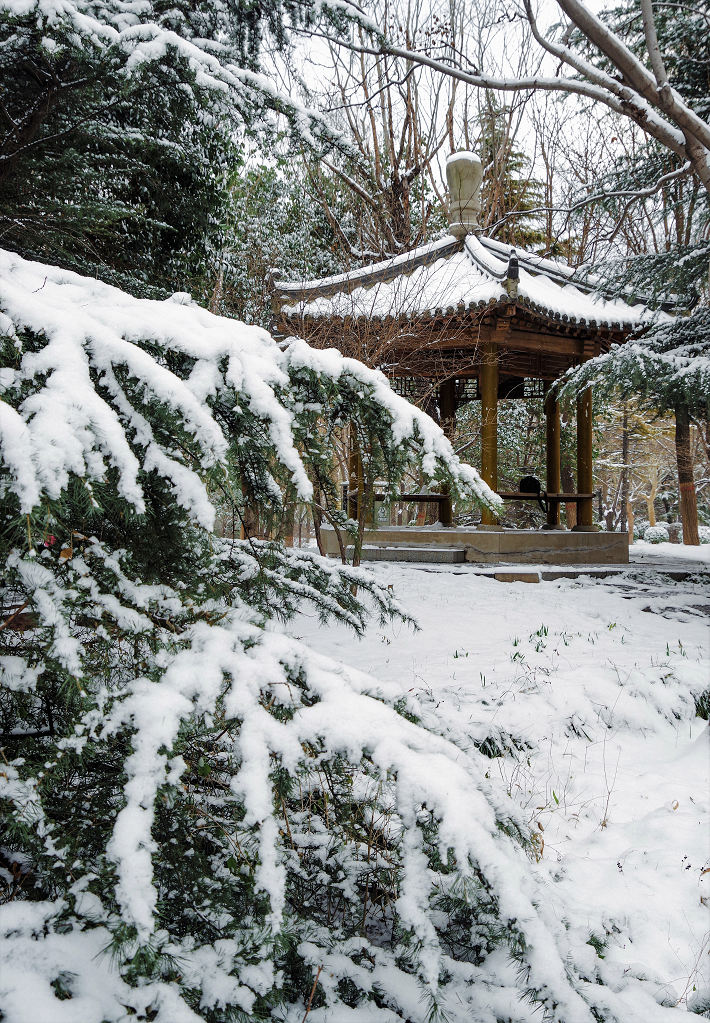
447	411
488	385
585	482
553	462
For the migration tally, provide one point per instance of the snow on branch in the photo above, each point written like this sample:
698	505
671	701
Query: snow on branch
189	789
84	391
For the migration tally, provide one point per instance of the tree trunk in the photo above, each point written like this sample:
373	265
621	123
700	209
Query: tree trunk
287	525
686	483
651	505
630	521
568	487
318	522
623	525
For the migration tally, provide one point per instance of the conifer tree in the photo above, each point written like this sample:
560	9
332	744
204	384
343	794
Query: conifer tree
509	195
117	131
202	819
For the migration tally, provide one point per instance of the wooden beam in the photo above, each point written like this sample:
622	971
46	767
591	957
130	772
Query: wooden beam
526	495
470	339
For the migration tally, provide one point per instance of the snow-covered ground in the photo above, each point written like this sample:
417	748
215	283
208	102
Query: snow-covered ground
659	554
585	682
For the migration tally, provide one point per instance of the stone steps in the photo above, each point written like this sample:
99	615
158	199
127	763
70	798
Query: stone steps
512	573
534	547
439	555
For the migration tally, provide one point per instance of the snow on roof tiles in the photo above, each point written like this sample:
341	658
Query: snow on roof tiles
453	275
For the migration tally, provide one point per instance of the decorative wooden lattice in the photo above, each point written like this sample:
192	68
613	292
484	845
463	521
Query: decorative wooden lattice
533	388
414	389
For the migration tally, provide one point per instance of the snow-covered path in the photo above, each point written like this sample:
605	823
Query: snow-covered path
584	685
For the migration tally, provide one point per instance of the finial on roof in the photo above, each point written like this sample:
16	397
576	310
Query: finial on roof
463	175
513	274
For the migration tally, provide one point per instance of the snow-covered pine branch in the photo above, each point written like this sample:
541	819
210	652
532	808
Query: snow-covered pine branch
668	368
201	813
196	775
152	103
668	365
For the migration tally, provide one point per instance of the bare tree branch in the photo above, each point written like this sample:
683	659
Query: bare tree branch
633	194
636	93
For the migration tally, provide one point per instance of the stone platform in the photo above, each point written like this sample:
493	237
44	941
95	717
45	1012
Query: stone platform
436	544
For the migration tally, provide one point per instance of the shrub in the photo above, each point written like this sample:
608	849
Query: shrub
640	527
656	534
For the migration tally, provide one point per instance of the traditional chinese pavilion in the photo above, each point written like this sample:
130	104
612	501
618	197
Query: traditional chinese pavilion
468	318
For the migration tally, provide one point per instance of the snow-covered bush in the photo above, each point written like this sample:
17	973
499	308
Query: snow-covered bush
640	528
656	534
203	819
704	534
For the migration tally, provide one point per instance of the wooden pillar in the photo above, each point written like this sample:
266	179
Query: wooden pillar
585	482
553	462
447	411
488	385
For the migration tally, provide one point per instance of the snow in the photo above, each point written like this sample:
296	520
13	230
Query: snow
33	954
468	278
665	554
66	426
442	285
463	157
592	681
353	275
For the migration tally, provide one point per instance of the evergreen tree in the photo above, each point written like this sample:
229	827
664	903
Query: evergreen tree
508	193
117	127
674	271
272	225
182	785
203	820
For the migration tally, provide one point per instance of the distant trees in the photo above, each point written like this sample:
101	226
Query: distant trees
635	464
650	66
668	367
597	58
270	225
384	195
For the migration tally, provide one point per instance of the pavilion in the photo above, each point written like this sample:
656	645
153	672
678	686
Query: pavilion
468	318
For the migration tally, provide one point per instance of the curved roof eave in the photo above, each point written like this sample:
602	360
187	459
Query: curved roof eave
451	276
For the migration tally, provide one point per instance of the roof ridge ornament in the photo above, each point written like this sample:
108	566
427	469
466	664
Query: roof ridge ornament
512	277
464	173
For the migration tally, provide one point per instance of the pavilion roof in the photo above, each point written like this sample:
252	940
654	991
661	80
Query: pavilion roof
457	276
